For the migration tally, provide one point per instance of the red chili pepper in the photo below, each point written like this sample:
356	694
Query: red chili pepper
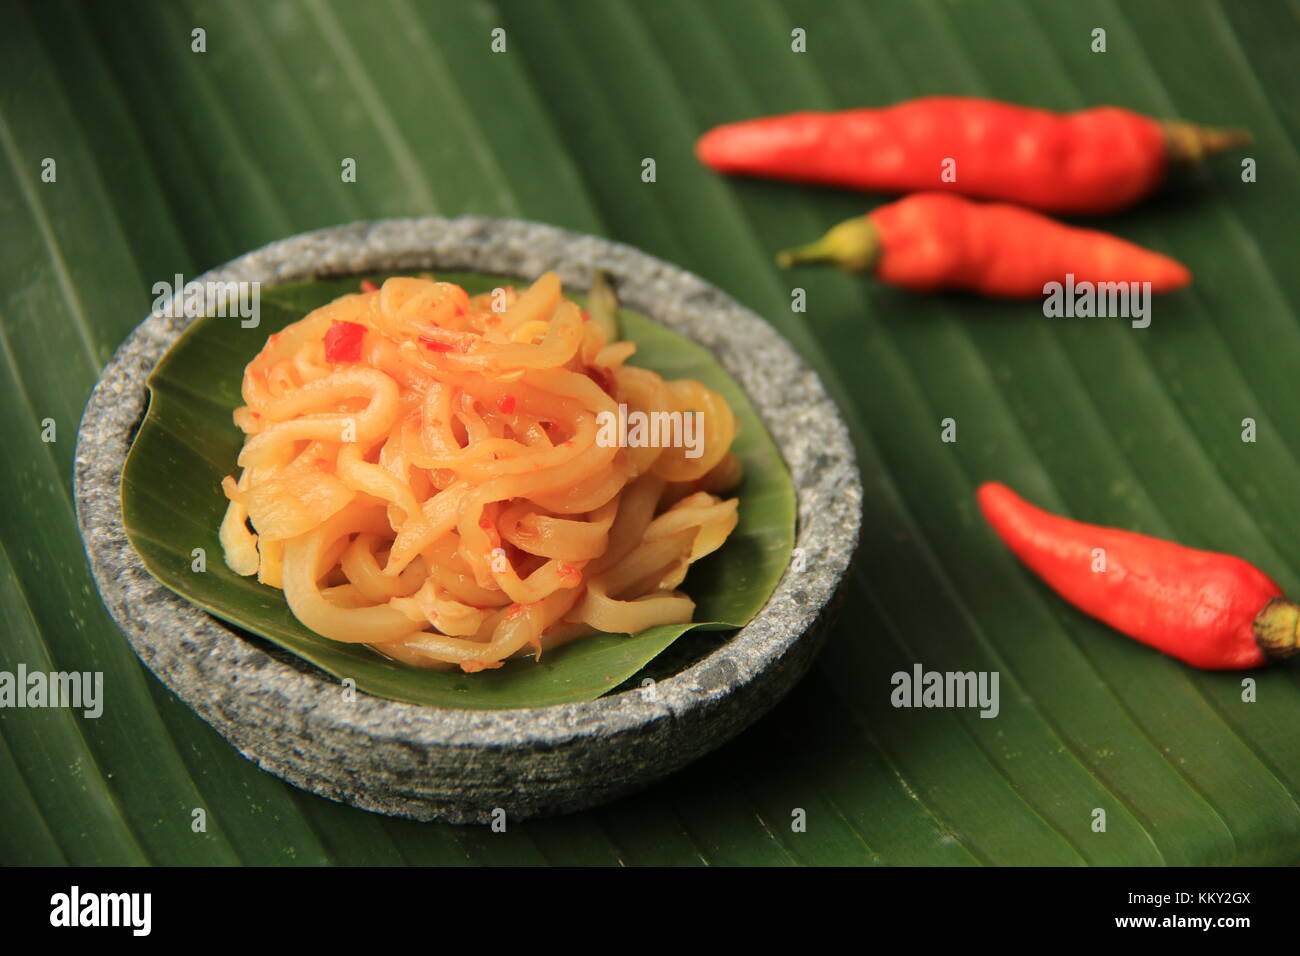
933	241
1213	611
368	286
433	345
1092	161
343	342
506	404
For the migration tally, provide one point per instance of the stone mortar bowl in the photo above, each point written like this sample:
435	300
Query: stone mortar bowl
431	763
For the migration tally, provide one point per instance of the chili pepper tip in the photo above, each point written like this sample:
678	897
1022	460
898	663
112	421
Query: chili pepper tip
1277	629
852	245
1190	143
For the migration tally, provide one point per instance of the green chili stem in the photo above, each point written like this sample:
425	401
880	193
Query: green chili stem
1277	629
853	245
1189	143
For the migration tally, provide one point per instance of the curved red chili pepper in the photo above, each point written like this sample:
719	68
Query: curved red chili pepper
933	241
1091	161
1213	611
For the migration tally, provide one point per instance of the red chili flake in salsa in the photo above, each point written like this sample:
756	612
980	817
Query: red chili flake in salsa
485	522
586	316
433	345
604	378
343	342
368	286
506	404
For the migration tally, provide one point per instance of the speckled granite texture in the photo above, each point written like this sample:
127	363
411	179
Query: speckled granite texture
435	764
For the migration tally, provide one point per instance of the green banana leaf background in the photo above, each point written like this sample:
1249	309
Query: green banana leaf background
171	161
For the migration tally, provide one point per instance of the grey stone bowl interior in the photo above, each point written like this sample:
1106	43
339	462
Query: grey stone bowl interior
459	765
